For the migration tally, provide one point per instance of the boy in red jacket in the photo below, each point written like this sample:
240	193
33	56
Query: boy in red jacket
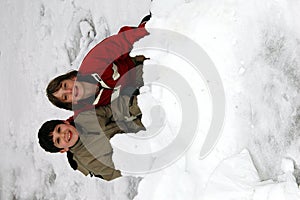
105	72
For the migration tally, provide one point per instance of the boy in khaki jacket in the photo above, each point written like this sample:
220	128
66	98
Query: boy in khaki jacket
88	141
92	152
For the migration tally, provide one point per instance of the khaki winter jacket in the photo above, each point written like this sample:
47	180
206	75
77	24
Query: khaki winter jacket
118	117
93	152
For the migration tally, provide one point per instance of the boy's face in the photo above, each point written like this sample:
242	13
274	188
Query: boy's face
65	136
71	91
65	92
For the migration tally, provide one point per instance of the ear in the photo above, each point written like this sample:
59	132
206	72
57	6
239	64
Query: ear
64	150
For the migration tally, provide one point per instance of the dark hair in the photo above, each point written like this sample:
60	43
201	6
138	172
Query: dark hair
54	86
71	161
45	136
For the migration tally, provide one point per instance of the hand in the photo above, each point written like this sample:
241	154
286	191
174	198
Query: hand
140	58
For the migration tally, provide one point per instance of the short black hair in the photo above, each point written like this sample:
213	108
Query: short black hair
45	136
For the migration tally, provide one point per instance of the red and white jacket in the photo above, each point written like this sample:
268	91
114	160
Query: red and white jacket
108	61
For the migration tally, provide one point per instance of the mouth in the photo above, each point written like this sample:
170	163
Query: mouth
75	91
70	136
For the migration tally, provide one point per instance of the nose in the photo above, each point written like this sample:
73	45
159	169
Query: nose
68	90
59	135
62	135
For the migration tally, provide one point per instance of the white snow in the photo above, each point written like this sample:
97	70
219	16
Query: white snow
255	47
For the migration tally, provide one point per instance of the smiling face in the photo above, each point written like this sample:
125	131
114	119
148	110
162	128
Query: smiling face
65	136
78	91
71	91
65	91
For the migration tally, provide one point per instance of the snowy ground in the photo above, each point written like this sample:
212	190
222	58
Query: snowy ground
255	46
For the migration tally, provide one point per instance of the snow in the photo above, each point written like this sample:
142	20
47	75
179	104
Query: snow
255	48
244	183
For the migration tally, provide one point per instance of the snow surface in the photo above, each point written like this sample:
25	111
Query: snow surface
244	183
255	46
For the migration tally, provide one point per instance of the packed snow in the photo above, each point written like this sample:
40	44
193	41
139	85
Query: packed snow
255	46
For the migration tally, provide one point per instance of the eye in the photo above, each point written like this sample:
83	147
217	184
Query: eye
57	140
65	85
58	130
65	97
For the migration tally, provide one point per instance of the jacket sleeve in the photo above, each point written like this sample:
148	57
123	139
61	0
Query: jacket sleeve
94	121
110	174
111	48
120	108
99	121
100	160
98	169
122	43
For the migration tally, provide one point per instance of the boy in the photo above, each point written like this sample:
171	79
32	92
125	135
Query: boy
105	72
92	152
89	140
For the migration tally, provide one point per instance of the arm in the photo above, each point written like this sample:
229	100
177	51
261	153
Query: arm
110	49
94	121
109	172
99	121
96	168
101	170
124	40
95	154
